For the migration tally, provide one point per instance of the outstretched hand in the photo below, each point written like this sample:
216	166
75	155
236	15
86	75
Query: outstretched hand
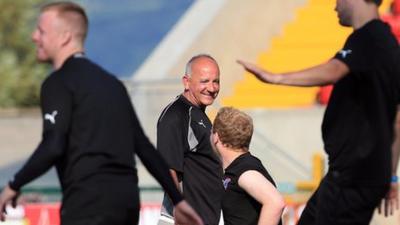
391	200
7	195
258	72
185	215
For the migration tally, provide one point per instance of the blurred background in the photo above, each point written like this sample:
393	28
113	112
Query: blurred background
146	43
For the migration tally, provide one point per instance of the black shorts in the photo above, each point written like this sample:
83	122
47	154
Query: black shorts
112	217
332	204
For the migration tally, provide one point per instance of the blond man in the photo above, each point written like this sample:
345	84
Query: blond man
250	195
90	132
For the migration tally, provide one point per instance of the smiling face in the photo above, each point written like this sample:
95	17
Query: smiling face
47	36
202	84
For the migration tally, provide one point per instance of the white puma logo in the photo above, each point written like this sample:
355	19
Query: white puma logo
344	53
202	123
51	117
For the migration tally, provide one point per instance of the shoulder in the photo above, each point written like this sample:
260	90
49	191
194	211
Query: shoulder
378	33
82	67
175	111
251	161
53	81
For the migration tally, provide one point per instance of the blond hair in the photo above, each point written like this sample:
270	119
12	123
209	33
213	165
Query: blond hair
73	14
234	128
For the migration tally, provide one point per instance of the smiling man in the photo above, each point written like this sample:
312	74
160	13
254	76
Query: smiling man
183	132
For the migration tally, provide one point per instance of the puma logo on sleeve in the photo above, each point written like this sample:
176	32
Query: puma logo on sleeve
344	52
51	117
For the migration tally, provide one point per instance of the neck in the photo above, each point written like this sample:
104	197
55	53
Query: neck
63	55
192	99
365	14
228	155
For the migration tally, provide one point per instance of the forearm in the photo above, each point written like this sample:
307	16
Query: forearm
156	165
175	178
324	74
396	145
395	156
270	215
44	157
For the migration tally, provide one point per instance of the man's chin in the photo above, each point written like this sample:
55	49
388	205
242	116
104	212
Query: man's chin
207	103
43	60
344	23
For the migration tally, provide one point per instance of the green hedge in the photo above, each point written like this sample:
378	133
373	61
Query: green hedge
20	74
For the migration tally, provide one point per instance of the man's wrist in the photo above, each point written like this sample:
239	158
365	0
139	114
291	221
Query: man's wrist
12	186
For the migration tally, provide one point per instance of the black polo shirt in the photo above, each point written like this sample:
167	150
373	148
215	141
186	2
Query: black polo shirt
183	139
91	133
238	207
358	123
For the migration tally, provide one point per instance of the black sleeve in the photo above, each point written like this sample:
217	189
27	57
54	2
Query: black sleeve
153	161
171	139
356	54
56	104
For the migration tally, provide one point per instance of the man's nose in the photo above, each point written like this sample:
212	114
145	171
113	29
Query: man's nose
34	35
212	87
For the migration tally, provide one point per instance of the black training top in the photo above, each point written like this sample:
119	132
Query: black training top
183	139
91	133
239	208
358	122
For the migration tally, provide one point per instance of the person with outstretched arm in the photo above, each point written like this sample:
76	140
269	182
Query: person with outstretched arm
357	128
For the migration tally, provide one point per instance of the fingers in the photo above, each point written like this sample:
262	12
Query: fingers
247	66
185	215
385	207
241	62
6	196
3	212
14	202
244	64
380	207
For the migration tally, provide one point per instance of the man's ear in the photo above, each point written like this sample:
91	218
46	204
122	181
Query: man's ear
66	37
186	81
216	138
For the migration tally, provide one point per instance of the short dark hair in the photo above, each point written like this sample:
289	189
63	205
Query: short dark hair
73	13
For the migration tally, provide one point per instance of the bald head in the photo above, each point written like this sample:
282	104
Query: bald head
199	60
72	16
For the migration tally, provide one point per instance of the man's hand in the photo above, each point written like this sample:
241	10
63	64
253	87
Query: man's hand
185	215
6	196
391	200
259	73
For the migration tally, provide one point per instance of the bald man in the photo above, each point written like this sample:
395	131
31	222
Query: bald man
183	132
